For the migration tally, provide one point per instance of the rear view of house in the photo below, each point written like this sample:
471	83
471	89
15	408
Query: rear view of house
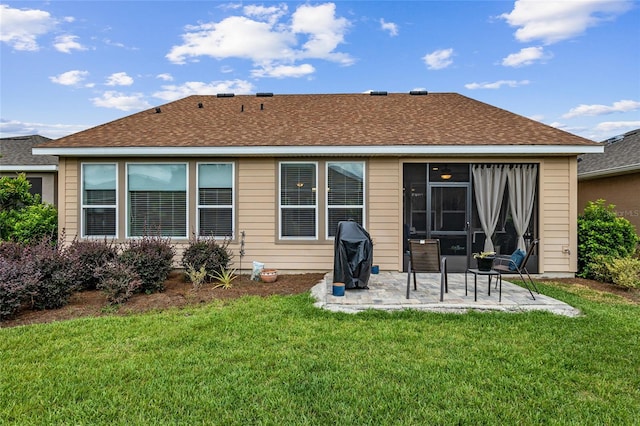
285	169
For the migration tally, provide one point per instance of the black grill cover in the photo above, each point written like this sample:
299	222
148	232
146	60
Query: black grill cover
353	255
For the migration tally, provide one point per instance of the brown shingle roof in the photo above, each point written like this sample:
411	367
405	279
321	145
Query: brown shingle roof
321	120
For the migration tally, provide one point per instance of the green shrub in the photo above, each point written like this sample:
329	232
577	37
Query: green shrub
151	257
601	232
87	258
23	217
206	252
625	272
118	281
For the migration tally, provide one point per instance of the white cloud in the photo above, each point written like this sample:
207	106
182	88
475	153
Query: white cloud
537	117
173	92
591	110
438	59
121	101
270	42
618	126
283	71
20	28
19	128
119	79
70	78
67	43
390	27
165	77
554	21
325	32
526	56
496	84
268	14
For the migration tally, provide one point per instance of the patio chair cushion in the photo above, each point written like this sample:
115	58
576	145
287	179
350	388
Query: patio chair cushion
516	259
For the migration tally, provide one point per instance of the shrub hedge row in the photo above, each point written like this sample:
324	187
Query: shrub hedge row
44	275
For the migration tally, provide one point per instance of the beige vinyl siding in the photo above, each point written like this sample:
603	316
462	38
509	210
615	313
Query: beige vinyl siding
384	210
256	211
558	215
69	199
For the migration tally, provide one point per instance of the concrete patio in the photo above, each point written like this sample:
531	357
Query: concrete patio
387	291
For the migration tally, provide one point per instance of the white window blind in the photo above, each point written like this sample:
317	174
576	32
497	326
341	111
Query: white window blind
98	200
157	196
298	200
215	199
345	194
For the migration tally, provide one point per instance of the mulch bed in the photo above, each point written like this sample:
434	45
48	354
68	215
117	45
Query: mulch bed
179	293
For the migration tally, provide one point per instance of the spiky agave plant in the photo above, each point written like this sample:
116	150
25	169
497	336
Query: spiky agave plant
224	277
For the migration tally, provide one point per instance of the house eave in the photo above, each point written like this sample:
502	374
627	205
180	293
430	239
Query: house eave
27	169
616	171
271	151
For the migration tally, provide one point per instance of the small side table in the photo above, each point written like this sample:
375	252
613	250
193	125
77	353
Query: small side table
477	272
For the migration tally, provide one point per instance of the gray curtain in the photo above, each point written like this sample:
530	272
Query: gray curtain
522	190
488	183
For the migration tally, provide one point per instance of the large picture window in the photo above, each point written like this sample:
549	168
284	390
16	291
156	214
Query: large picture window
345	194
298	200
99	200
157	199
215	199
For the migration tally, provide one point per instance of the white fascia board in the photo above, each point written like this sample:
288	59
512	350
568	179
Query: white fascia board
34	168
388	150
610	172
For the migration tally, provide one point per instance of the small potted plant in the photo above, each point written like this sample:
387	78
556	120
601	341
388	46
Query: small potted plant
485	260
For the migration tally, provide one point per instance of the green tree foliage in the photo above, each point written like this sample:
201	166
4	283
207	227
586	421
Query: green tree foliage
23	217
601	233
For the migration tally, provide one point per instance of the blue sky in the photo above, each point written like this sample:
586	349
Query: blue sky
70	65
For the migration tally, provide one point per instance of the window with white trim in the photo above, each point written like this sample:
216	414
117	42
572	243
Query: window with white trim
215	199
345	194
298	200
157	199
99	195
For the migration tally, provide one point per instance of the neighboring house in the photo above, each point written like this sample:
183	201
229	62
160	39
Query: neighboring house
613	176
283	170
41	171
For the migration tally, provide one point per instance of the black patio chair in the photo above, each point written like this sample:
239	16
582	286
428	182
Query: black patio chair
516	263
424	256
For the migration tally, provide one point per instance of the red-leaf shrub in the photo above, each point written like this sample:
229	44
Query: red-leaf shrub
118	281
151	258
57	277
87	258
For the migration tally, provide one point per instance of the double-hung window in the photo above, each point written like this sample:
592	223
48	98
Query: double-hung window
215	199
298	200
345	194
157	199
99	183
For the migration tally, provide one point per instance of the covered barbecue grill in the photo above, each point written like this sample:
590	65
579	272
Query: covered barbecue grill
353	255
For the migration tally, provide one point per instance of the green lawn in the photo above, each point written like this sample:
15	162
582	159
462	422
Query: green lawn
281	361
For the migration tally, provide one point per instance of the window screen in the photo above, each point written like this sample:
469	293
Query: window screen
345	194
298	200
157	199
99	200
215	199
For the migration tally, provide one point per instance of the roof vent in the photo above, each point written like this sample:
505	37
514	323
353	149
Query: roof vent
158	110
374	93
200	105
264	94
225	95
418	93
